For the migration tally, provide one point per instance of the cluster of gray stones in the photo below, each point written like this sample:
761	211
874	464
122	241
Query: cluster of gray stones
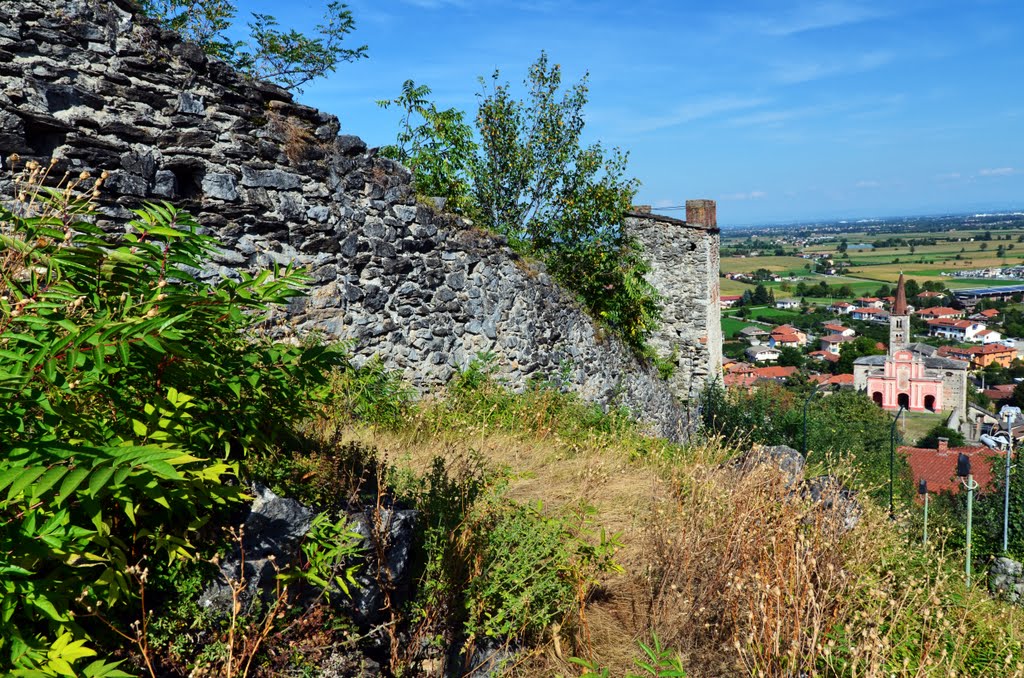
100	88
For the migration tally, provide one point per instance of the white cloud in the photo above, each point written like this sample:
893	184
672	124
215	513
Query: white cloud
817	16
752	195
696	110
798	72
868	183
996	171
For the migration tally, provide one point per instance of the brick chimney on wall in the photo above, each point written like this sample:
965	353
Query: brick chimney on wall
701	213
943	445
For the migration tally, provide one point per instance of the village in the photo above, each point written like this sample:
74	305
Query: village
939	361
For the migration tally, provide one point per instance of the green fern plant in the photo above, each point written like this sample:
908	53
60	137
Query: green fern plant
130	390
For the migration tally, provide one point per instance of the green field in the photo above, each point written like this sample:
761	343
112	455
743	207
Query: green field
954	250
731	326
780	265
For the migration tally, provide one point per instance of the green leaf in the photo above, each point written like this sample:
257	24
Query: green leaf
23	480
71	482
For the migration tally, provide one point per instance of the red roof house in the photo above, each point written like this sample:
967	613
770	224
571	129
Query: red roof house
938	466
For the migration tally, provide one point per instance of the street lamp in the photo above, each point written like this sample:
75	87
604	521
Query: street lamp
892	458
922	490
963	471
1002	441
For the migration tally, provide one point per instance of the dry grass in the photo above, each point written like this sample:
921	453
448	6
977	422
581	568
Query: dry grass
734	571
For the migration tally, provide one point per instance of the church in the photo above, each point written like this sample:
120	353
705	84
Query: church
911	375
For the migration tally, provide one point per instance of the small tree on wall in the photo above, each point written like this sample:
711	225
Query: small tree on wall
288	58
528	175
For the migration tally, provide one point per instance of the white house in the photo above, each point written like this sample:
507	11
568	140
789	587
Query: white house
956	330
762	354
870	313
833	327
833	343
989	337
787	304
841	307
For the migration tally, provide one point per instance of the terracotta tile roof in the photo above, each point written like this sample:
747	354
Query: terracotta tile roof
991	349
826	355
930	295
836	338
841	304
1000	392
739	380
988	313
785	338
774	372
948	322
954	352
869	310
936	311
833	379
835	327
938	467
730	297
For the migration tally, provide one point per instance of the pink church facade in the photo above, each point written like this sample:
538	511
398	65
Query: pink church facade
905	383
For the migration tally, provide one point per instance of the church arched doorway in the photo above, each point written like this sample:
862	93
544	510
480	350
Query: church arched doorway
877	397
903	400
929	403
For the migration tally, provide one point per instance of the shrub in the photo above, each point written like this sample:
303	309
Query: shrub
130	389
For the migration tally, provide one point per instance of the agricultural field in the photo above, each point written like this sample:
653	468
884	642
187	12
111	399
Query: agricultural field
780	265
730	326
966	248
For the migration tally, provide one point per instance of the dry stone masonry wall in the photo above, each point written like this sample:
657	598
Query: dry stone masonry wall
684	269
99	88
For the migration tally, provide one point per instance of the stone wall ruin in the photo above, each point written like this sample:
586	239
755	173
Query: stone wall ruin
99	88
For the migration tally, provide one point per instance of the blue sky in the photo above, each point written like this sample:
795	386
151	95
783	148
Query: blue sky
779	110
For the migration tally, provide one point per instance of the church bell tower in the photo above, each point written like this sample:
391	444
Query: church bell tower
899	320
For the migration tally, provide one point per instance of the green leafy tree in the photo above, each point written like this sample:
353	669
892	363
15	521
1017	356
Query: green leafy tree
436	145
762	296
931	439
790	356
858	348
530	177
288	58
912	288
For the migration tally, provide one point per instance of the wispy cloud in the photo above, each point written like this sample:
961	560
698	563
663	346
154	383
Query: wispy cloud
868	183
996	171
797	72
803	17
813	17
696	110
751	195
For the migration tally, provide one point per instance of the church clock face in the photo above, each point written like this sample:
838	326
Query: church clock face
903	377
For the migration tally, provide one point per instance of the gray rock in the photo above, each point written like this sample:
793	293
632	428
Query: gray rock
220	186
840	505
390	532
191	104
1006	579
318	213
782	457
272	532
278	179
